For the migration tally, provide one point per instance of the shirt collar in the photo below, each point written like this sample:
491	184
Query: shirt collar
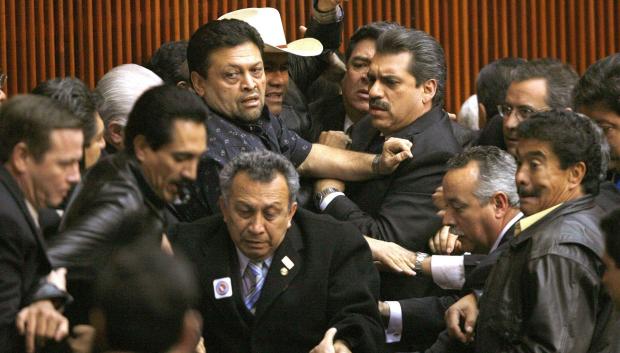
243	261
347	123
33	213
530	220
505	229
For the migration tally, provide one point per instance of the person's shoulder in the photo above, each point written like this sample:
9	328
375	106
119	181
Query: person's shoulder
199	226
571	233
325	227
191	236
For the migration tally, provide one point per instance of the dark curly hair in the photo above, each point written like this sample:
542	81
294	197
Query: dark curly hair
215	35
573	138
560	77
600	84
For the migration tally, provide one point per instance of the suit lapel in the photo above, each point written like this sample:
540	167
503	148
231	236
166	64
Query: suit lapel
280	275
221	262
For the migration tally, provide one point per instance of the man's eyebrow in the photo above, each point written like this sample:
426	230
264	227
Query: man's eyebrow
534	154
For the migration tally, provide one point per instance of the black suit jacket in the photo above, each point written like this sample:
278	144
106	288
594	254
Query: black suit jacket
327	114
423	318
398	207
333	283
23	261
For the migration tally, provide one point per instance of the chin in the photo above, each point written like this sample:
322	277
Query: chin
249	117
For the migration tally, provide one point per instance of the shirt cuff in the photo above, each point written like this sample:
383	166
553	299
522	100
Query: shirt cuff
335	15
393	332
328	199
448	271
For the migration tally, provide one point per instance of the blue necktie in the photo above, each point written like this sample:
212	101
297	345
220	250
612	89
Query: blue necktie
253	279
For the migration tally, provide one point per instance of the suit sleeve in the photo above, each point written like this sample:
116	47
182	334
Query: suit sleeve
563	315
11	263
406	214
353	294
424	317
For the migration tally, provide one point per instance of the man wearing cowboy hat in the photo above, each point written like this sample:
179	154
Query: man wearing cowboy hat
227	70
300	60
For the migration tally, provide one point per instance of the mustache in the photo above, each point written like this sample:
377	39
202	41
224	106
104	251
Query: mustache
379	104
527	193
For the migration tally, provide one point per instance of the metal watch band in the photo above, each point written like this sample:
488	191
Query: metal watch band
419	259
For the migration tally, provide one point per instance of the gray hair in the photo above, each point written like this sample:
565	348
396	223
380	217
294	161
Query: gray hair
497	169
262	166
120	88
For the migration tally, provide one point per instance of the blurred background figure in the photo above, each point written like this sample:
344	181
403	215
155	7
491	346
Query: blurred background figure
143	301
3	79
73	94
119	89
170	63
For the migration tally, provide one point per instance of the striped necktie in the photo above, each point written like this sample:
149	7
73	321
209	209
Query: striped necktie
253	279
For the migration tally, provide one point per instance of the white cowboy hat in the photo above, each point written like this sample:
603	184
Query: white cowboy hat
268	23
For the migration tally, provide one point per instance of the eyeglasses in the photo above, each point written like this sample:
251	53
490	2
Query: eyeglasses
522	113
3	79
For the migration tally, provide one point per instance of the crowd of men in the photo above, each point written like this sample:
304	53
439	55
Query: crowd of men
239	193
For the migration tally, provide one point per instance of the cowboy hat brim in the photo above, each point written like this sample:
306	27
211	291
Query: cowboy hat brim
300	47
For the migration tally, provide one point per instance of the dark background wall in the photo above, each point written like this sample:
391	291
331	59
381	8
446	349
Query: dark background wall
42	39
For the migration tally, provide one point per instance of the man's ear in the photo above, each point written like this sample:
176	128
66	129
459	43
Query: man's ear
482	116
430	89
140	146
197	83
20	157
222	204
291	213
501	204
115	132
576	173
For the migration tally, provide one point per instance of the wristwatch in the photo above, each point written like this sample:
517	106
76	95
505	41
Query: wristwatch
419	258
319	196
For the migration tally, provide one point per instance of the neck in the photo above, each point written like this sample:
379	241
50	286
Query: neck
510	214
354	114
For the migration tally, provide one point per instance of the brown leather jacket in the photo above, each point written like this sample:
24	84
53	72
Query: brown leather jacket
545	292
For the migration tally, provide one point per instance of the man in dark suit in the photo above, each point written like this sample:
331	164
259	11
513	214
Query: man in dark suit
40	153
407	79
277	280
341	112
482	205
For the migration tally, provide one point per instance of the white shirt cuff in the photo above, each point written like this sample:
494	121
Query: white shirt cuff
448	271
328	199
393	332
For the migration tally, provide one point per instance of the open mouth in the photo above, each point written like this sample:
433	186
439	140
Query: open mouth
251	101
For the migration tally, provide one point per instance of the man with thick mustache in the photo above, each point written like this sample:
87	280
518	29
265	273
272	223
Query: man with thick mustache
341	112
164	137
225	58
545	292
406	90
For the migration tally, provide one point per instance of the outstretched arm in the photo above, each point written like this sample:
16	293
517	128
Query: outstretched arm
329	162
